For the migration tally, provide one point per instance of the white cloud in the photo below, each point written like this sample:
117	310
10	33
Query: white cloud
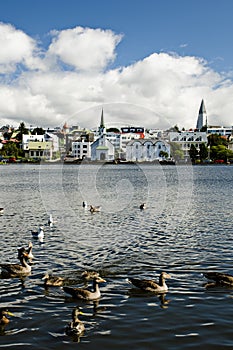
159	91
17	48
85	49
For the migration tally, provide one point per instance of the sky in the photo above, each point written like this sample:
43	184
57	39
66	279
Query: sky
144	62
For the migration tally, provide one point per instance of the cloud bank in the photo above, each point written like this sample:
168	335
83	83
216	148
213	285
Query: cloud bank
73	78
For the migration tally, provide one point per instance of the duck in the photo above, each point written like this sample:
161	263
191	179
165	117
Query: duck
39	234
219	278
94	209
1	210
150	285
75	327
28	251
3	319
55	281
85	294
14	270
89	275
142	206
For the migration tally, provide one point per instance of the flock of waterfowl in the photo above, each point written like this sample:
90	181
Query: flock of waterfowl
76	326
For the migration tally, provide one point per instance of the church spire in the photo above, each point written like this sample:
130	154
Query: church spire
202	116
102	126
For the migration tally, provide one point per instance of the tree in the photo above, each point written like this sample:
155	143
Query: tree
38	131
21	131
10	149
176	151
193	153
203	152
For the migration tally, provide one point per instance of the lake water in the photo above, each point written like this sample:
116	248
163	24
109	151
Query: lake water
185	230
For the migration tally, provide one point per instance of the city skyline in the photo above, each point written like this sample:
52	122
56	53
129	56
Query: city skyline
140	61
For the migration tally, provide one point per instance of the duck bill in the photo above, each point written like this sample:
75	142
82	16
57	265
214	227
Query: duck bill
9	313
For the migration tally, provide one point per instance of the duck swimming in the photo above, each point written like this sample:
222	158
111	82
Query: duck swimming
3	319
1	210
95	209
143	206
85	294
14	270
89	275
28	251
75	327
150	285
219	278
55	281
84	204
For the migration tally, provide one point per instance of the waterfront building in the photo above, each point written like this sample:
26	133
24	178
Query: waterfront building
187	138
147	150
102	149
81	149
220	130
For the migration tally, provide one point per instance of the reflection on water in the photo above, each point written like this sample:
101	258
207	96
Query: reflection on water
185	230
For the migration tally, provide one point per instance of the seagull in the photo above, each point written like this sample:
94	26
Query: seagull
85	294
84	204
50	220
150	285
39	234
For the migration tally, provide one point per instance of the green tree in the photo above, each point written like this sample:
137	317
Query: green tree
176	151
10	149
203	152
21	131
38	131
193	153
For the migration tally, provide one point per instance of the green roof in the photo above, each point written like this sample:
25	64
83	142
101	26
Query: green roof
102	148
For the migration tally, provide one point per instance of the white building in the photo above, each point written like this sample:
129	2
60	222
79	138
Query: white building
187	138
146	150
31	138
81	149
220	130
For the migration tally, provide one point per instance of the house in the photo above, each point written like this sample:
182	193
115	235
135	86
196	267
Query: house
147	150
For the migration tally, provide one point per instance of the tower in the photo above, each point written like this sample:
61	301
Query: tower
202	116
102	129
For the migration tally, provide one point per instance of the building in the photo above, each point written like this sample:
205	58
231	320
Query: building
220	130
202	116
187	138
147	150
81	149
102	149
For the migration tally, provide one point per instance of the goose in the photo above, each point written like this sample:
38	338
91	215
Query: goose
85	294
89	275
75	327
14	270
56	281
150	285
3	318
39	234
1	210
219	278
143	206
94	209
28	251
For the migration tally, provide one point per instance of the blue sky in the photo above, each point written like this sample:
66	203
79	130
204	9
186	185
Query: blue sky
191	37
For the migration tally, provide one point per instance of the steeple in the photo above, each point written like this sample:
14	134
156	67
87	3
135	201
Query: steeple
202	116
102	126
